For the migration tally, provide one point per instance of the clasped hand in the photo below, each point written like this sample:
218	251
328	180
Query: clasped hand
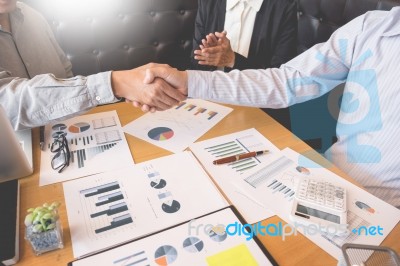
151	87
215	50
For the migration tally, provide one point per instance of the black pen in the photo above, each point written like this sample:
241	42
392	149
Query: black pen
41	138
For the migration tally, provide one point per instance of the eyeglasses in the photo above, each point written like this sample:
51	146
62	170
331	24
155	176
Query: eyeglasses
62	155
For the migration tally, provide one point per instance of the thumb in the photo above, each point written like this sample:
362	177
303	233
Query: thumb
153	73
221	34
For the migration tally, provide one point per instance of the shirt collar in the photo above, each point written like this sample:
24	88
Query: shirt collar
255	4
392	24
16	18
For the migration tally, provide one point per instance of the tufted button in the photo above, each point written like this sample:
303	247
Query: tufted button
126	47
95	52
152	13
300	13
155	43
182	12
98	98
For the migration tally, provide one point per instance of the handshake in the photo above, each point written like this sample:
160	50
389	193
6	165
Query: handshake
153	87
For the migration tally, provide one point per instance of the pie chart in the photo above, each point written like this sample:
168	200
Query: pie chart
79	127
193	244
165	255
160	133
160	183
171	206
217	233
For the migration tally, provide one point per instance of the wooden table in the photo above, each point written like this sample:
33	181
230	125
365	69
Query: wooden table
295	250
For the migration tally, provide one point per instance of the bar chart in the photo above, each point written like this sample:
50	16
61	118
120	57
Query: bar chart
137	259
236	147
104	122
105	207
78	157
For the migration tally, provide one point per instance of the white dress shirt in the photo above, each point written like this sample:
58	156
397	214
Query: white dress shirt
365	54
239	23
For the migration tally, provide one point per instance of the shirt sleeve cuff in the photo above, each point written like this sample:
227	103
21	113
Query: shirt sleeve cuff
99	88
199	84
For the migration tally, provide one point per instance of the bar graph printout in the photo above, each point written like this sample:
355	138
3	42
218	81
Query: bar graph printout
175	129
272	184
234	144
96	143
114	207
176	246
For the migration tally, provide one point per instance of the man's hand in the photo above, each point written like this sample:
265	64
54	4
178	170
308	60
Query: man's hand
175	78
157	93
216	53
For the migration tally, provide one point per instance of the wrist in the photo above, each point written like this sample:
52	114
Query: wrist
185	83
231	63
114	84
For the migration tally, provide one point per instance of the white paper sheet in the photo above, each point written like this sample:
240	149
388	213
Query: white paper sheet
240	142
177	247
96	142
177	128
364	209
111	208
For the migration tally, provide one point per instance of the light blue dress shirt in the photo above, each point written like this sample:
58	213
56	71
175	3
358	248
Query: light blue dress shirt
365	54
35	75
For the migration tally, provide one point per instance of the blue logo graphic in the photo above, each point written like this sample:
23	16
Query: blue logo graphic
358	106
368	231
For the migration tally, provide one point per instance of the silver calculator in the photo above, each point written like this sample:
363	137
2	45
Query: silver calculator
321	203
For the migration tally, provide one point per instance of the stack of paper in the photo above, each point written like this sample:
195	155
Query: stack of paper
96	143
111	208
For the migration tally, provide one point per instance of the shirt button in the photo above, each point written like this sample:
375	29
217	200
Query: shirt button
98	98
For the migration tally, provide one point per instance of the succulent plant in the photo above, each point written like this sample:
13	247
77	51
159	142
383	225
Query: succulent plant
42	218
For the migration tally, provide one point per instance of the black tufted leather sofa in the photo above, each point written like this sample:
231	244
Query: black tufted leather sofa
100	35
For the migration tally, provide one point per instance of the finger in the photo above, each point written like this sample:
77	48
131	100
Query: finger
153	73
153	110
174	94
197	52
211	51
201	58
204	42
213	38
145	108
136	104
205	63
171	92
201	46
210	41
220	34
163	96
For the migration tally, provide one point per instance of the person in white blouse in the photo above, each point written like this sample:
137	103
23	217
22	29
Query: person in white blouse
364	54
244	34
